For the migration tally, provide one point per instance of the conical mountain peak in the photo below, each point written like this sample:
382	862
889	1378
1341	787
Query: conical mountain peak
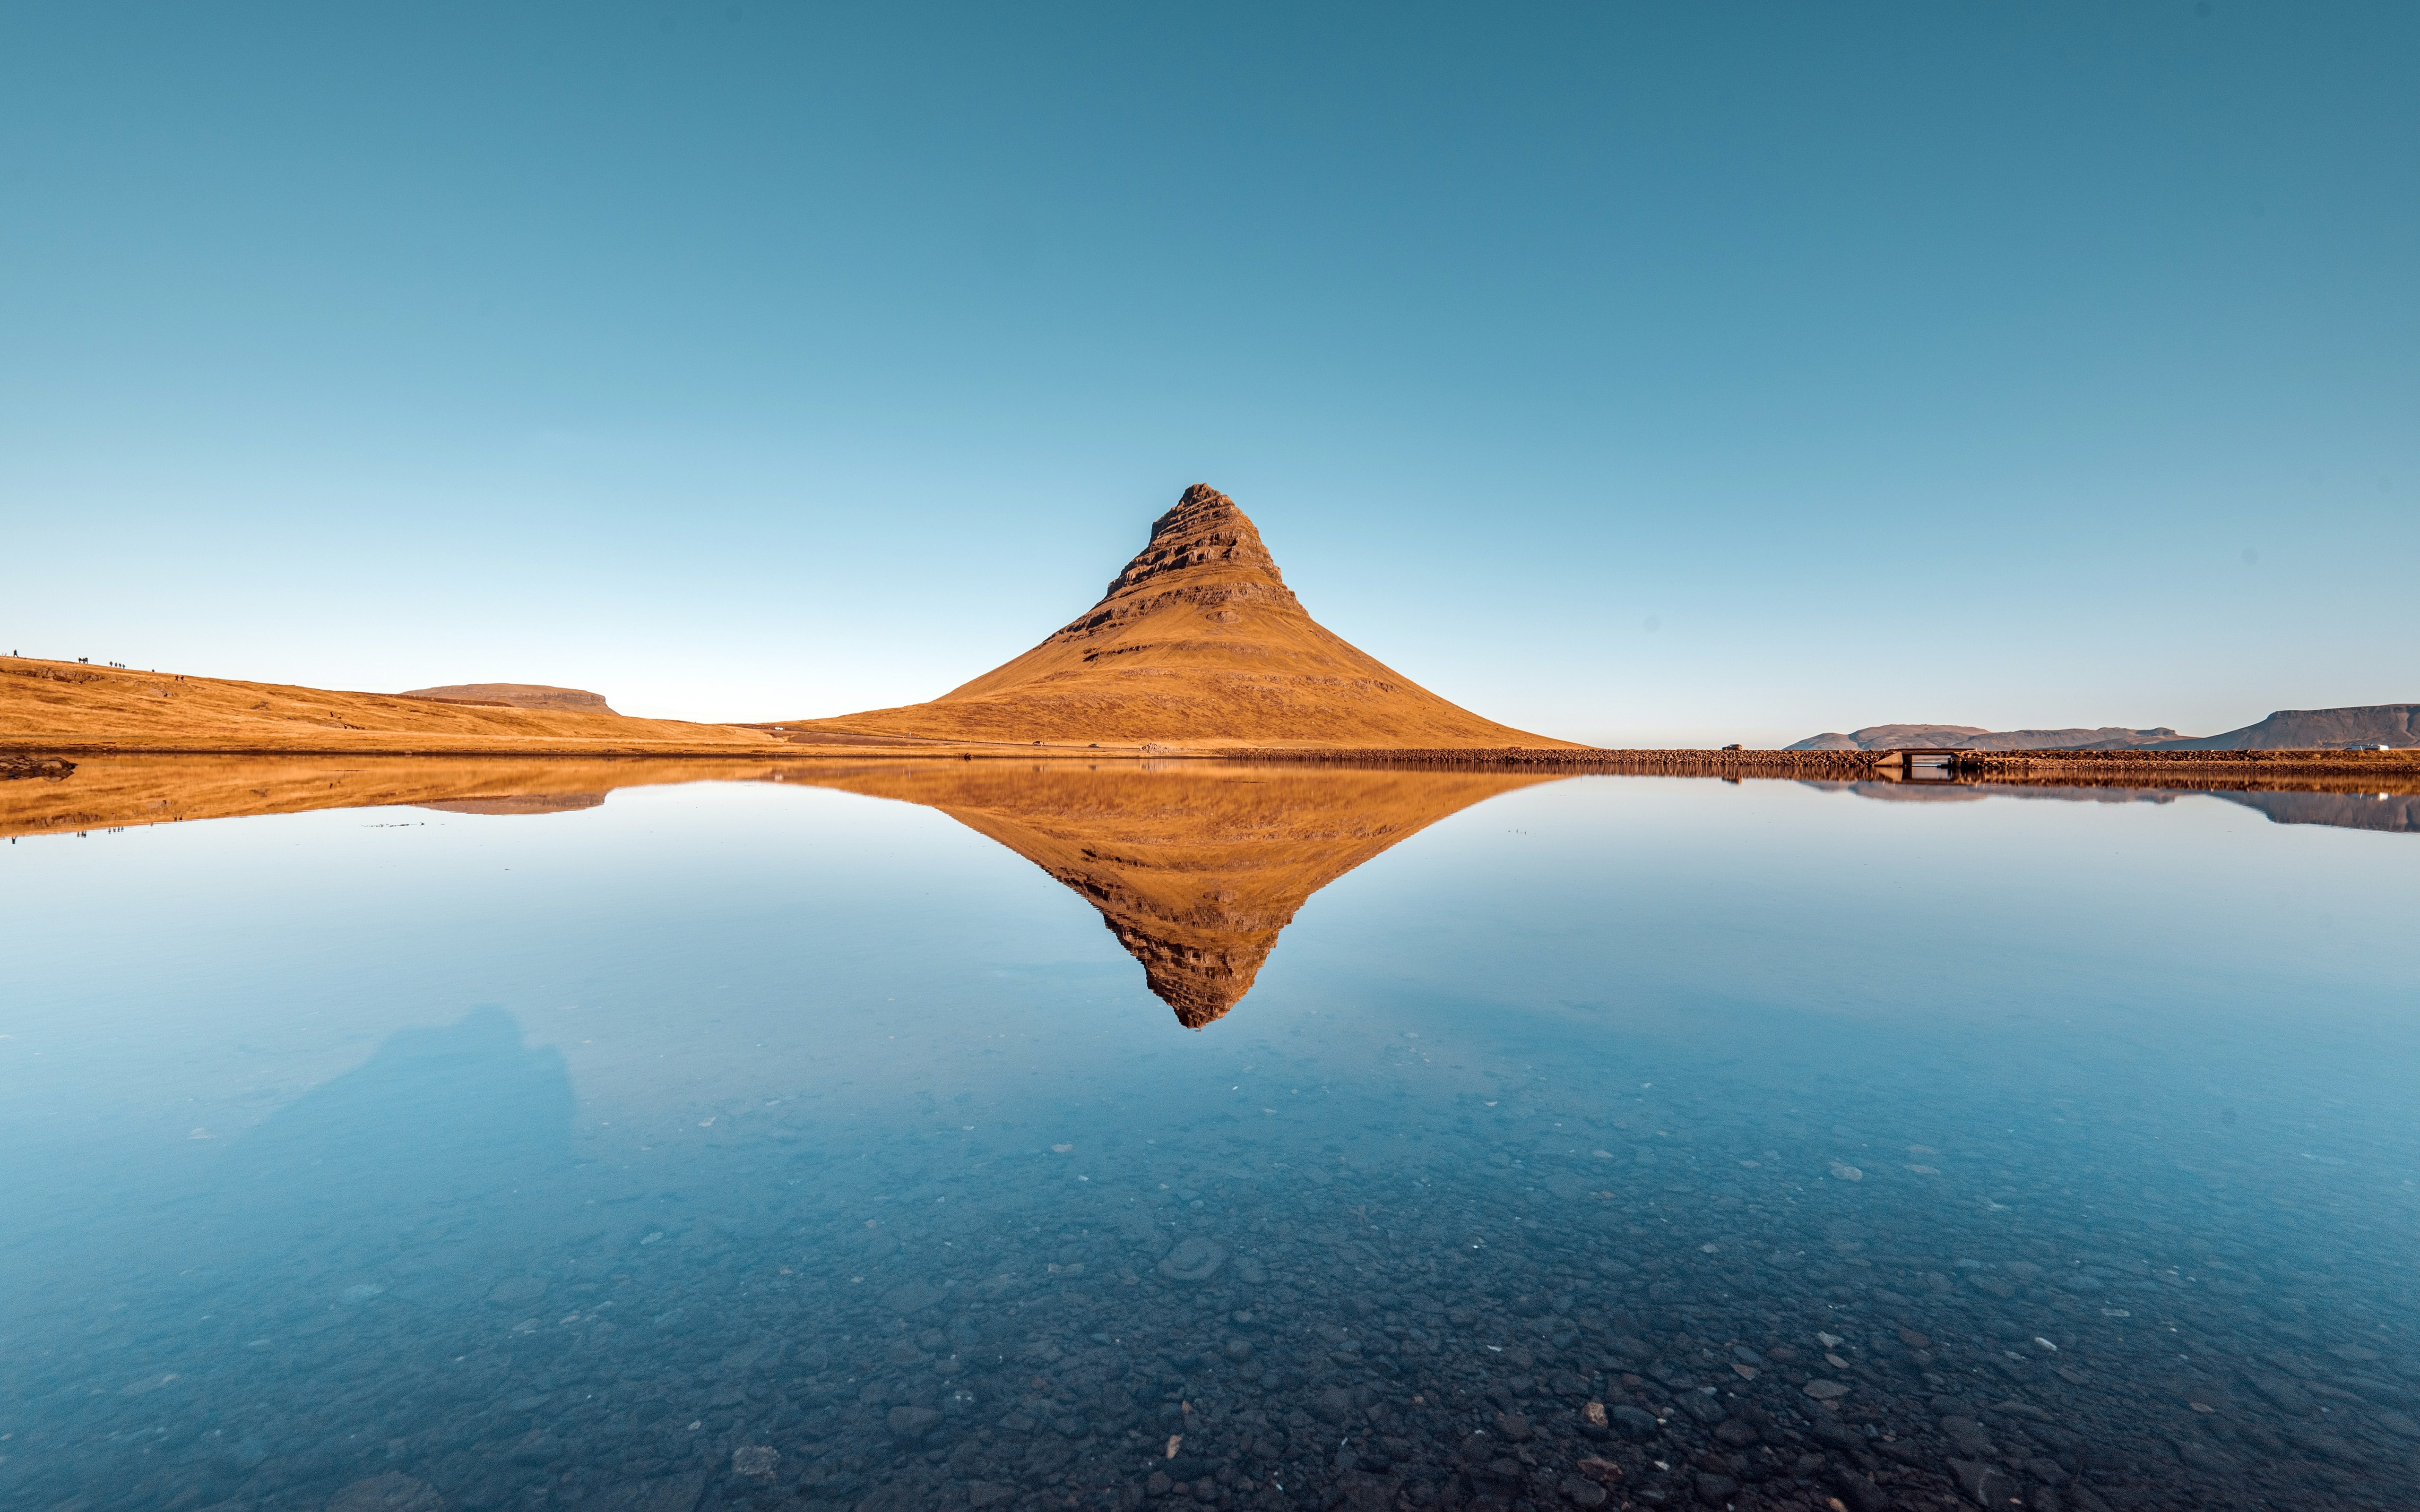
1204	552
1198	642
1204	530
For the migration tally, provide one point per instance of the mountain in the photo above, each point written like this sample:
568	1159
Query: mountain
2371	724
2395	725
1974	737
514	695
1199	643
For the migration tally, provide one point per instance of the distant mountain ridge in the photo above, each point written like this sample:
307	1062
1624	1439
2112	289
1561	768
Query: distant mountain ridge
2394	725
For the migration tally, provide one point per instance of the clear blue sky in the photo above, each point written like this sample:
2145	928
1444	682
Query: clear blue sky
1639	373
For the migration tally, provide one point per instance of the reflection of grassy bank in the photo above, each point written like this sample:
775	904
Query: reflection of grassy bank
1195	866
106	792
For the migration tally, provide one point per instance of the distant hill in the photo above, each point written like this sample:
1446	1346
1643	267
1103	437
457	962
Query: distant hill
1198	642
2370	724
2395	725
516	695
1974	737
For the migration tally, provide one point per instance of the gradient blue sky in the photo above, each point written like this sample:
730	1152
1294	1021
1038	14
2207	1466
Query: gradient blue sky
1642	375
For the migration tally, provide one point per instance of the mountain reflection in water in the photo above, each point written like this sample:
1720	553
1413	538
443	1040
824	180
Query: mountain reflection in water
1195	869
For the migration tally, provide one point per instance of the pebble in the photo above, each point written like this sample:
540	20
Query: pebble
912	1423
1194	1259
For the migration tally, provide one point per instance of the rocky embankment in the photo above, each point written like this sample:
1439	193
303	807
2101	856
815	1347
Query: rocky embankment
2169	767
2157	768
1784	764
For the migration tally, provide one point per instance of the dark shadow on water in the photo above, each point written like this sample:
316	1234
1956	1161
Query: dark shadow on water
436	1118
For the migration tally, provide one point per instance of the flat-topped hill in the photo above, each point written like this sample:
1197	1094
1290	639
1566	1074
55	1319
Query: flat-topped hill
2396	726
1974	737
516	695
1198	642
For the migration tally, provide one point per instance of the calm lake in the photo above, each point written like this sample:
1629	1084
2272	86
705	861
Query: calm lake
806	1141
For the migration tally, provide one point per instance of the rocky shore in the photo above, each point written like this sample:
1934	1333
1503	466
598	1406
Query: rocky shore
2158	768
1555	1298
1779	763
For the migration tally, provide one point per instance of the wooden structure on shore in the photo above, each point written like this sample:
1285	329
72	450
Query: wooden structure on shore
1950	758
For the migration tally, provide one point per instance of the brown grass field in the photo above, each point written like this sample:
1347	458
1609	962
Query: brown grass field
65	706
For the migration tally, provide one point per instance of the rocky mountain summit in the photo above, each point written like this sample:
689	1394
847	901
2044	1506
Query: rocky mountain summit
1197	641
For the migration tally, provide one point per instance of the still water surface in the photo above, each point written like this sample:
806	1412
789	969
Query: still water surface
1403	1141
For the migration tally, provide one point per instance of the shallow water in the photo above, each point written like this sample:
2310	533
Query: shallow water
779	1145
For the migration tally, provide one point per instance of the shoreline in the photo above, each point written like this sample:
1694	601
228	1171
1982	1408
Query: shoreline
2057	765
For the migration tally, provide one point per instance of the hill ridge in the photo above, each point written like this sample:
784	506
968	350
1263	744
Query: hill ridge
2355	726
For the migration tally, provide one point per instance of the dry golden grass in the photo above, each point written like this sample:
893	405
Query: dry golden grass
66	705
108	791
1198	647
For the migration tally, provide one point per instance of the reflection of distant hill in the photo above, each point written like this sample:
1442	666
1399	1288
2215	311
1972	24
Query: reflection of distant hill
524	803
2391	812
2396	811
